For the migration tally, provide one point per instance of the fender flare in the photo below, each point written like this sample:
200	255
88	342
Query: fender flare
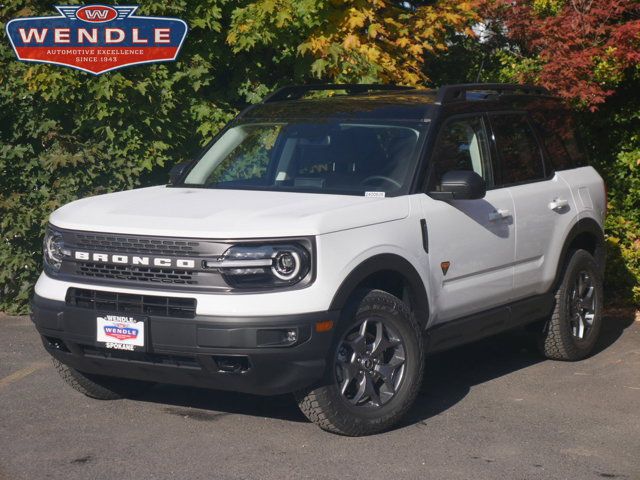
584	225
382	262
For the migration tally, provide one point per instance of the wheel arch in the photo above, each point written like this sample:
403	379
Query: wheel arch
391	273
586	234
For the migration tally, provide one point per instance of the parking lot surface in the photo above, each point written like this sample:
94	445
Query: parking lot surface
491	410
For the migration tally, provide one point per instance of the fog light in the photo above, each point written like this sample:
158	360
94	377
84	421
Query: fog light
277	337
292	336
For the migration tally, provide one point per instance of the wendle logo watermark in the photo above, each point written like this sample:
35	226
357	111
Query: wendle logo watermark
96	38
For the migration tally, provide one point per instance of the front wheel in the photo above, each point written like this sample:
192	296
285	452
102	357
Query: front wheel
572	331
375	371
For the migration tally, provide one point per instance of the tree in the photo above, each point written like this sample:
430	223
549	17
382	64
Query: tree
65	134
365	40
580	49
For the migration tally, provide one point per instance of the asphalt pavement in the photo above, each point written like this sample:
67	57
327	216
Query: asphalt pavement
492	410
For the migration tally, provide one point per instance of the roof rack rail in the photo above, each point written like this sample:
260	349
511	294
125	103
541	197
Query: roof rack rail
294	92
453	93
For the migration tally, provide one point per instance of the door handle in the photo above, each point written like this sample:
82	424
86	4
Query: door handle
558	204
499	214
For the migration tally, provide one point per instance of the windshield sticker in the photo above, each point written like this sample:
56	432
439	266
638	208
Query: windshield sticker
374	194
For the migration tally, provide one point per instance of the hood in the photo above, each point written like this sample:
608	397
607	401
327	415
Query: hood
211	213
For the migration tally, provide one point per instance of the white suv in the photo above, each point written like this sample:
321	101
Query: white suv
326	245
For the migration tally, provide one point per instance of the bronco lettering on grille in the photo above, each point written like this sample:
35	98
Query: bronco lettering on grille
119	259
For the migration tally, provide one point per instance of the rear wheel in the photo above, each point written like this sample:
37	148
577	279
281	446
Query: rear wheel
572	331
375	370
98	386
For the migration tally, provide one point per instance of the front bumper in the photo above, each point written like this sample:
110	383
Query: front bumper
195	352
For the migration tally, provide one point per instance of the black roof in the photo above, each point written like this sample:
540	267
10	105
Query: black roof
390	102
410	105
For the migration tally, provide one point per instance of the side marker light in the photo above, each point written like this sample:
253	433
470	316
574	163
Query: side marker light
324	326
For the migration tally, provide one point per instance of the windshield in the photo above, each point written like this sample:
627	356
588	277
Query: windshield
329	157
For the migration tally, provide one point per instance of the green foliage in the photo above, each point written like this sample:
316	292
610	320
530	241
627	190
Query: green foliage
623	259
547	7
513	66
368	40
65	134
613	136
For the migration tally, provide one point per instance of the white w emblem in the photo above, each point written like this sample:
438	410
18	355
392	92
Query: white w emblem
69	11
96	14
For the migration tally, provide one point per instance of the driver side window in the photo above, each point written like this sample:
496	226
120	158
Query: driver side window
462	144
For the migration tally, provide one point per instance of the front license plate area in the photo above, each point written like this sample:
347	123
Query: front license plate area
121	332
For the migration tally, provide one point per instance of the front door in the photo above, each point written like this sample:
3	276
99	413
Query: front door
471	242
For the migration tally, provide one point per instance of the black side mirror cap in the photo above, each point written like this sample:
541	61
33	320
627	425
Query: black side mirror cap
460	185
177	171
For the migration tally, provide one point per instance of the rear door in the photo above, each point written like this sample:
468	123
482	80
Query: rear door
544	205
471	242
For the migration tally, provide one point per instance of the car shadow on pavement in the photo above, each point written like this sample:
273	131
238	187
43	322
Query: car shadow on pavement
616	320
449	376
210	405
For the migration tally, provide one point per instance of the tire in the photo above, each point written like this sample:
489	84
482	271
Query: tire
99	387
357	402
572	331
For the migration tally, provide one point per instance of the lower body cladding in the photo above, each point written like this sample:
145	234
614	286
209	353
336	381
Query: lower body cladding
224	353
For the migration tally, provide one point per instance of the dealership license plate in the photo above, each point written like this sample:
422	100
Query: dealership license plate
121	332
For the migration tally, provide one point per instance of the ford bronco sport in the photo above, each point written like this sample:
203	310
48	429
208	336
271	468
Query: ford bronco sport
325	244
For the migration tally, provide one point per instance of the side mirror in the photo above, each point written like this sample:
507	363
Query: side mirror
460	185
177	171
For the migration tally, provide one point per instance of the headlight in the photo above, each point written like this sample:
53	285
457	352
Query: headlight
54	250
257	266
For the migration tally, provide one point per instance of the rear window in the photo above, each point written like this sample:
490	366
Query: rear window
518	149
558	134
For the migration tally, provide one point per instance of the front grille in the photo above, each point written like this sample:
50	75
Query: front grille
132	304
137	274
142	357
137	245
84	267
